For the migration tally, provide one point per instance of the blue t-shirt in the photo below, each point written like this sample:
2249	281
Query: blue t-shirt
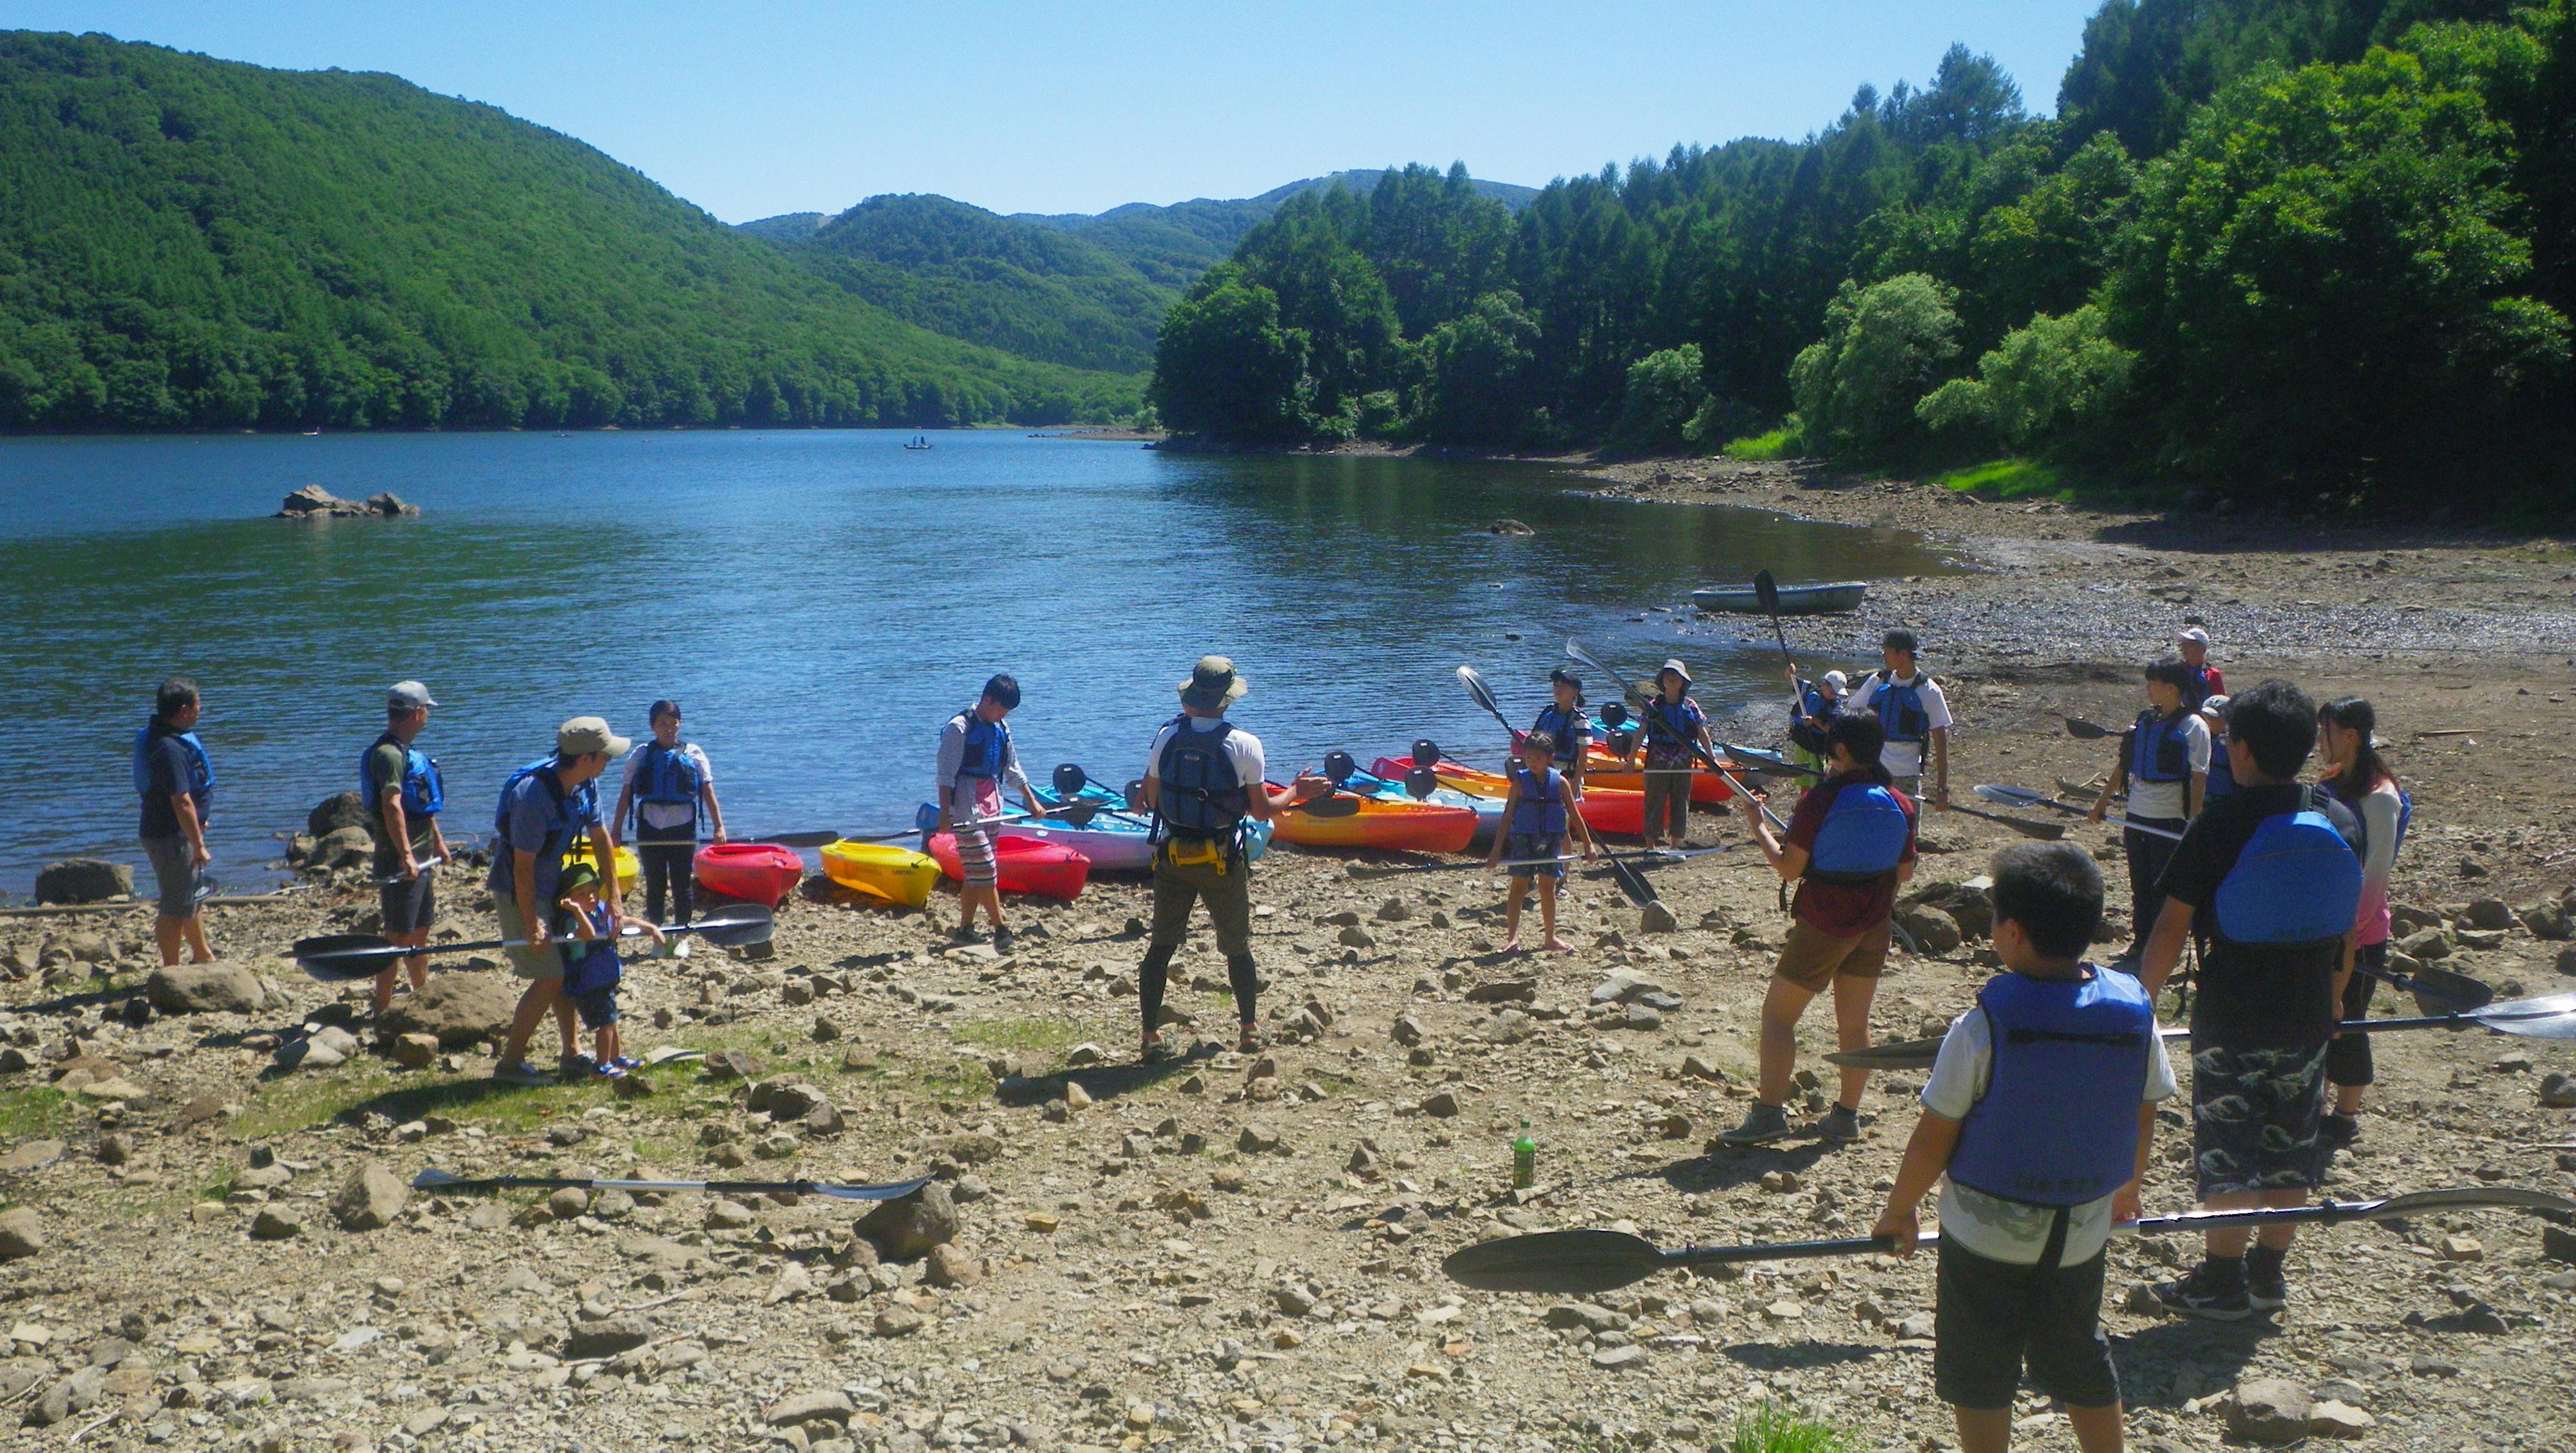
172	768
529	816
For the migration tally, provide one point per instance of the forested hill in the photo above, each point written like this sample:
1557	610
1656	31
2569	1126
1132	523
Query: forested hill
2308	252
192	243
1088	291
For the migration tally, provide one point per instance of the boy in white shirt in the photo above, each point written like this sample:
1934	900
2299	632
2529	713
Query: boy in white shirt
1913	715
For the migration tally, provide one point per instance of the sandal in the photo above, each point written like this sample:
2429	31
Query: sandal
1156	1052
1251	1040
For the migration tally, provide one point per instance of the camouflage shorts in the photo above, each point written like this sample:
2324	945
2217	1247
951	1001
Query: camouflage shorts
2254	1119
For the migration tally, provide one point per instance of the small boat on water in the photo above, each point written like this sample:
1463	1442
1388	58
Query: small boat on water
1795	600
919	442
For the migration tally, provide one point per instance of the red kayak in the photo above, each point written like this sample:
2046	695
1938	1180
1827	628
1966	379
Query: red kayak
1023	865
754	872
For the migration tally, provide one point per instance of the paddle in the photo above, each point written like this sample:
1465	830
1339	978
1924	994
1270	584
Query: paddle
1575	649
2436	991
339	957
1765	764
1077	810
1767	591
2553	1017
2044	831
439	1180
1484	695
2085	731
1561	1262
926	820
2024	797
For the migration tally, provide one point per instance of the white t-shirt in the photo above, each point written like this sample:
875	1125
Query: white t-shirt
1904	759
2167	799
2013	1232
668	814
1242	748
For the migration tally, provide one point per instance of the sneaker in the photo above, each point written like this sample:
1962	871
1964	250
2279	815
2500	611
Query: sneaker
520	1072
1839	1127
2266	1288
2205	1294
2338	1130
613	1070
575	1066
1001	940
1762	1125
627	1062
680	947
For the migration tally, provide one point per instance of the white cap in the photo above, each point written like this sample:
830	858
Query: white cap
2193	634
2215	708
1837	680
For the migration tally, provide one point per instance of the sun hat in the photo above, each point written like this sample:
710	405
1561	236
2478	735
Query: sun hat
1675	666
584	735
1213	683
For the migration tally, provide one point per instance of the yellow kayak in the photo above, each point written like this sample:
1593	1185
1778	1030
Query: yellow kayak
881	870
630	869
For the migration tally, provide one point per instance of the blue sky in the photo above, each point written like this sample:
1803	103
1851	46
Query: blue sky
748	109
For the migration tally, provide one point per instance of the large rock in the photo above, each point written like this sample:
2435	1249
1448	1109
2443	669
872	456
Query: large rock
345	847
84	880
205	989
1936	931
21	1234
607	1337
908	1227
370	1199
334	813
2269	1410
313	502
458	1009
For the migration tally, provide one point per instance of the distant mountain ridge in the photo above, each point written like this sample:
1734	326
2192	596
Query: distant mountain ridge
1083	290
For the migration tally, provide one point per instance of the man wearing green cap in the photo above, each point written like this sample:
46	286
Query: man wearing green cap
546	807
1203	779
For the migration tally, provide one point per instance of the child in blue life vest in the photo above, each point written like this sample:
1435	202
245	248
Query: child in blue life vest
592	966
2037	1120
1538	812
2164	770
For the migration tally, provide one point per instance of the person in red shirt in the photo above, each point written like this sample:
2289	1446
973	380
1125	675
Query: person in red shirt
2201	680
1850	846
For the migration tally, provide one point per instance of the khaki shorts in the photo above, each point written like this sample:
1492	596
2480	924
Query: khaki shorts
528	963
1228	895
1812	959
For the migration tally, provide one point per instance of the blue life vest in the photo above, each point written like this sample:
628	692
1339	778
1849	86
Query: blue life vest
1541	810
201	772
1901	716
2296	881
2222	773
1672	727
593	966
2160	747
1572	729
668	776
2058	1125
1815	710
988	745
2196	686
571	810
1864	834
422	792
1199	795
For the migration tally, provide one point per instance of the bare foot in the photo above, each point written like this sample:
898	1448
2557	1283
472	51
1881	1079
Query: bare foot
1559	946
1511	946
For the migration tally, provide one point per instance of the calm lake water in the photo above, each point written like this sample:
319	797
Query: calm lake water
817	602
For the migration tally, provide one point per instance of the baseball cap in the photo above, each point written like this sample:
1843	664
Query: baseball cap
408	696
2215	708
1899	640
586	734
577	875
1837	680
2193	634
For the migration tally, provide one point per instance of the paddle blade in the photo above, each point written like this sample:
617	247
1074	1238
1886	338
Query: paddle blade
1477	688
1907	1054
2470	1198
433	1179
734	927
1070	779
2553	1017
1766	590
894	1191
2446	991
2044	831
2008	796
1338	767
1421	782
336	958
1079	813
1554	1262
2085	731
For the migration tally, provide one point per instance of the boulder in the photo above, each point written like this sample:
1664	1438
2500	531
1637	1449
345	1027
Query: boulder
346	847
2269	1410
415	1051
313	502
607	1337
389	505
457	1009
370	1199
1936	931
2489	913
2548	920
336	812
84	880
21	1234
1656	918
909	1226
205	989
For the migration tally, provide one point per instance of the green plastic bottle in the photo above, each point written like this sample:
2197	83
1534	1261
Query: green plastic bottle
1524	1160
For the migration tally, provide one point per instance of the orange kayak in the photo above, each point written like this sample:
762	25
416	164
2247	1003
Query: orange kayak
1600	769
1604	809
1381	822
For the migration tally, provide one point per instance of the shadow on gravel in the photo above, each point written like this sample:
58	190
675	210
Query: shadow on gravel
420	1101
1782	1356
2156	1363
1728	1168
1100	1082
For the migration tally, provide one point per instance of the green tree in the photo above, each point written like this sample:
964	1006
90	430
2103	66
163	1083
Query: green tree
1884	347
1224	366
2056	374
1478	373
1665	393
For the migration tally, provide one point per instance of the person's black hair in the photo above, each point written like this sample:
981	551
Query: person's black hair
2171	671
2277	722
1570	679
1540	742
659	708
175	696
2367	769
1860	734
2053	891
1898	640
1003	689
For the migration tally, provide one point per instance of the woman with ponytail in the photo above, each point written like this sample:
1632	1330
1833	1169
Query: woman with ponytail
2359	777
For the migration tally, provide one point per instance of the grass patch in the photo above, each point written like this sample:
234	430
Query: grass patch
1772	1428
2008	479
35	1111
1780	443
